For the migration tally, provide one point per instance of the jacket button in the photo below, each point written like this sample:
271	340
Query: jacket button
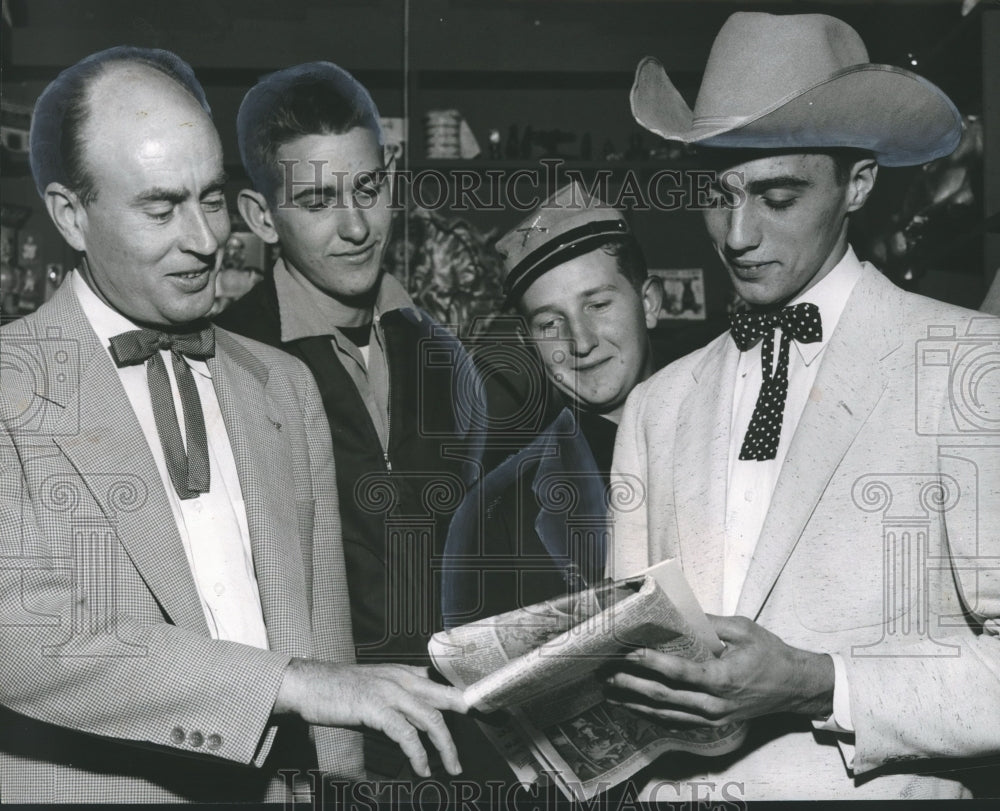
177	735
214	741
196	738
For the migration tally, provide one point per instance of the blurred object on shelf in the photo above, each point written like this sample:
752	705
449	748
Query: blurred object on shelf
54	275
241	264
394	135
449	267
15	122
441	130
513	149
635	151
940	222
448	136
586	149
527	143
609	151
12	275
32	293
494	141
549	140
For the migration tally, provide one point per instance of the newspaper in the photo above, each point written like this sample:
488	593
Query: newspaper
534	672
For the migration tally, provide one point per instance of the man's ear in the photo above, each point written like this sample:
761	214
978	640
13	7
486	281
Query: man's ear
652	300
257	214
861	183
68	214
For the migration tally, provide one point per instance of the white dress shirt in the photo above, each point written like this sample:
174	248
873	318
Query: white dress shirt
213	527
751	482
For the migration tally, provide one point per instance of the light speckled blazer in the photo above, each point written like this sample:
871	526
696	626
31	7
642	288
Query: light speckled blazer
882	542
111	689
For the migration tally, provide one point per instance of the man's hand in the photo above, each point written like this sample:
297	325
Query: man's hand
757	674
398	700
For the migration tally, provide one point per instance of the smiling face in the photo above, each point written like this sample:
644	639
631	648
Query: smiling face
330	215
590	327
790	227
151	233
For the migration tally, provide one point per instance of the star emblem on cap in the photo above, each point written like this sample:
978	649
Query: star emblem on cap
533	227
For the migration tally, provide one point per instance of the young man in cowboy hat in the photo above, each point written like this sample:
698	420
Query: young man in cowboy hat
828	473
577	276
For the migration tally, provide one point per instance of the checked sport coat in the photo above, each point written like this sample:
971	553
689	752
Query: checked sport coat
111	688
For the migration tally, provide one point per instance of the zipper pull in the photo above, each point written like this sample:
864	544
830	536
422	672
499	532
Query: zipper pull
388	464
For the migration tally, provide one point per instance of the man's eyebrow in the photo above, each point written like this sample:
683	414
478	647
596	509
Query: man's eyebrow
593	291
217	183
545	308
778	182
326	190
604	288
160	194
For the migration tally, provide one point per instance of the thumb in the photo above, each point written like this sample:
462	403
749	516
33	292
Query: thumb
731	629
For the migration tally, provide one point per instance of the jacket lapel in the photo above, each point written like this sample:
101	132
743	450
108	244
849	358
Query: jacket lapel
850	382
700	489
266	474
99	434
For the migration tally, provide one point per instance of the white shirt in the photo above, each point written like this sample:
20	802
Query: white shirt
213	527
751	482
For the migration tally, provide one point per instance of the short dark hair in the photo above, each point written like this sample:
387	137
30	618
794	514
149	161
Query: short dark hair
316	98
843	157
631	260
62	111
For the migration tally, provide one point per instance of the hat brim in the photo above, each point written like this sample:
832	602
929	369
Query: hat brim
897	115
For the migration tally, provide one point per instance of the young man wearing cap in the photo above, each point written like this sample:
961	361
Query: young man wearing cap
828	473
393	382
578	277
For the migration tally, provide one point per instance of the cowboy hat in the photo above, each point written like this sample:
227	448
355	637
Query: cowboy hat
802	80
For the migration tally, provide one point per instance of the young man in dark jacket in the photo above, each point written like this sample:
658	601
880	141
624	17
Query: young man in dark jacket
394	383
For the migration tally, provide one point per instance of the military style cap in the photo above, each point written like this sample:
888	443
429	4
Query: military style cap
563	226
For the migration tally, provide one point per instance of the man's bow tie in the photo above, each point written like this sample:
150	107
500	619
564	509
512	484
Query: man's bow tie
137	346
189	465
801	322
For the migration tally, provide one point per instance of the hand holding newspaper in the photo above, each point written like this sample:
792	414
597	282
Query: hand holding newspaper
536	670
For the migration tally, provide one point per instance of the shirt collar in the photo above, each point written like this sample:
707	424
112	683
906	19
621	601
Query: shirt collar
830	294
306	312
107	322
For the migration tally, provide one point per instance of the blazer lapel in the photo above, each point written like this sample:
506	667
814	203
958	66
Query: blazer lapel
266	475
700	487
848	386
99	434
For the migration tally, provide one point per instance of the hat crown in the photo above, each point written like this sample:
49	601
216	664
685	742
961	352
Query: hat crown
758	60
572	219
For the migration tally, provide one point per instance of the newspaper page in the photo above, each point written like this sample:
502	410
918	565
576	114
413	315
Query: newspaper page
537	667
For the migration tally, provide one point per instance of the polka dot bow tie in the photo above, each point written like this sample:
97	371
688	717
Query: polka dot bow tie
801	323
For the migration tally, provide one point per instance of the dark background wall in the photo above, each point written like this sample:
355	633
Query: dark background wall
547	64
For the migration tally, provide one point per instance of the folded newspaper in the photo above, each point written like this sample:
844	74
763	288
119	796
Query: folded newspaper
536	674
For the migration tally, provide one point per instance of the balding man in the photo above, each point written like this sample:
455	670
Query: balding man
167	524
